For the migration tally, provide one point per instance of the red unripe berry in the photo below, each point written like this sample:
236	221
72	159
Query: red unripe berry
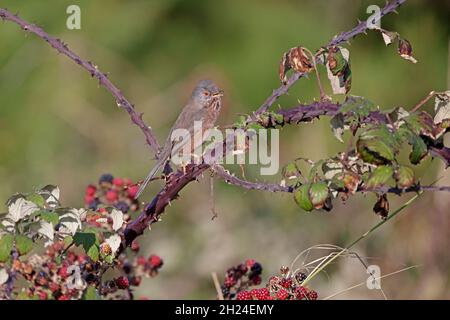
249	263
72	257
301	293
135	246
286	283
141	260
122	282
136	281
127	182
282	294
88	198
312	295
43	295
82	259
53	286
90	190
132	191
118	182
112	196
155	261
229	282
244	295
63	272
256	280
261	294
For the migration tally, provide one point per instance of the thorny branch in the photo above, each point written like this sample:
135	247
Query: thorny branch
273	187
94	71
178	180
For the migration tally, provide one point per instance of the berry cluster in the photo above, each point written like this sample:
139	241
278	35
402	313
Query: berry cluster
117	192
287	286
241	277
51	277
63	273
134	271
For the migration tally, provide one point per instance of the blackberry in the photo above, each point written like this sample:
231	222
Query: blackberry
91	278
300	277
256	268
242	268
127	267
106	178
94	204
122	206
225	291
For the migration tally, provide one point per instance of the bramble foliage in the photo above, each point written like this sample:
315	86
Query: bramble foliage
371	163
81	245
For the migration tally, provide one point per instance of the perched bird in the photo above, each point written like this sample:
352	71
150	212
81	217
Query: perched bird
204	105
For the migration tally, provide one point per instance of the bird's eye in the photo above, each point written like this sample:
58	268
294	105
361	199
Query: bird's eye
206	93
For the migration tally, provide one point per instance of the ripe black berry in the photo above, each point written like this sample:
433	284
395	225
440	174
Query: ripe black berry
122	206
107	177
300	277
94	204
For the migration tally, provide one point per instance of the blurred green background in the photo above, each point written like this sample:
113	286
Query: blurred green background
58	126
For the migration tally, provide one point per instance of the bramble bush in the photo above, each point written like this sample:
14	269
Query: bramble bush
48	251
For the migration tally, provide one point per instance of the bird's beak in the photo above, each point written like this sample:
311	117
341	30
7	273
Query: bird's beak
218	93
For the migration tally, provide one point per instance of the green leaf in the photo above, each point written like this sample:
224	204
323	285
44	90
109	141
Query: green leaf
404	177
419	149
338	70
318	194
380	176
86	239
93	253
91	294
23	244
67	241
23	295
337	124
421	124
109	259
37	199
48	216
6	245
377	145
301	197
290	171
358	106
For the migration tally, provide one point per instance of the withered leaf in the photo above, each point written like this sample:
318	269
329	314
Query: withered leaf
296	59
405	50
381	207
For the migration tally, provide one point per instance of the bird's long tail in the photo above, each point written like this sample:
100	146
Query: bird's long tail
149	177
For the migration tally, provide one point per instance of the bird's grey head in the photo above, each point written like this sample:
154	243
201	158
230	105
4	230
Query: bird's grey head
206	92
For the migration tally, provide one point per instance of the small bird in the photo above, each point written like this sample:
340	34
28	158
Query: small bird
204	105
